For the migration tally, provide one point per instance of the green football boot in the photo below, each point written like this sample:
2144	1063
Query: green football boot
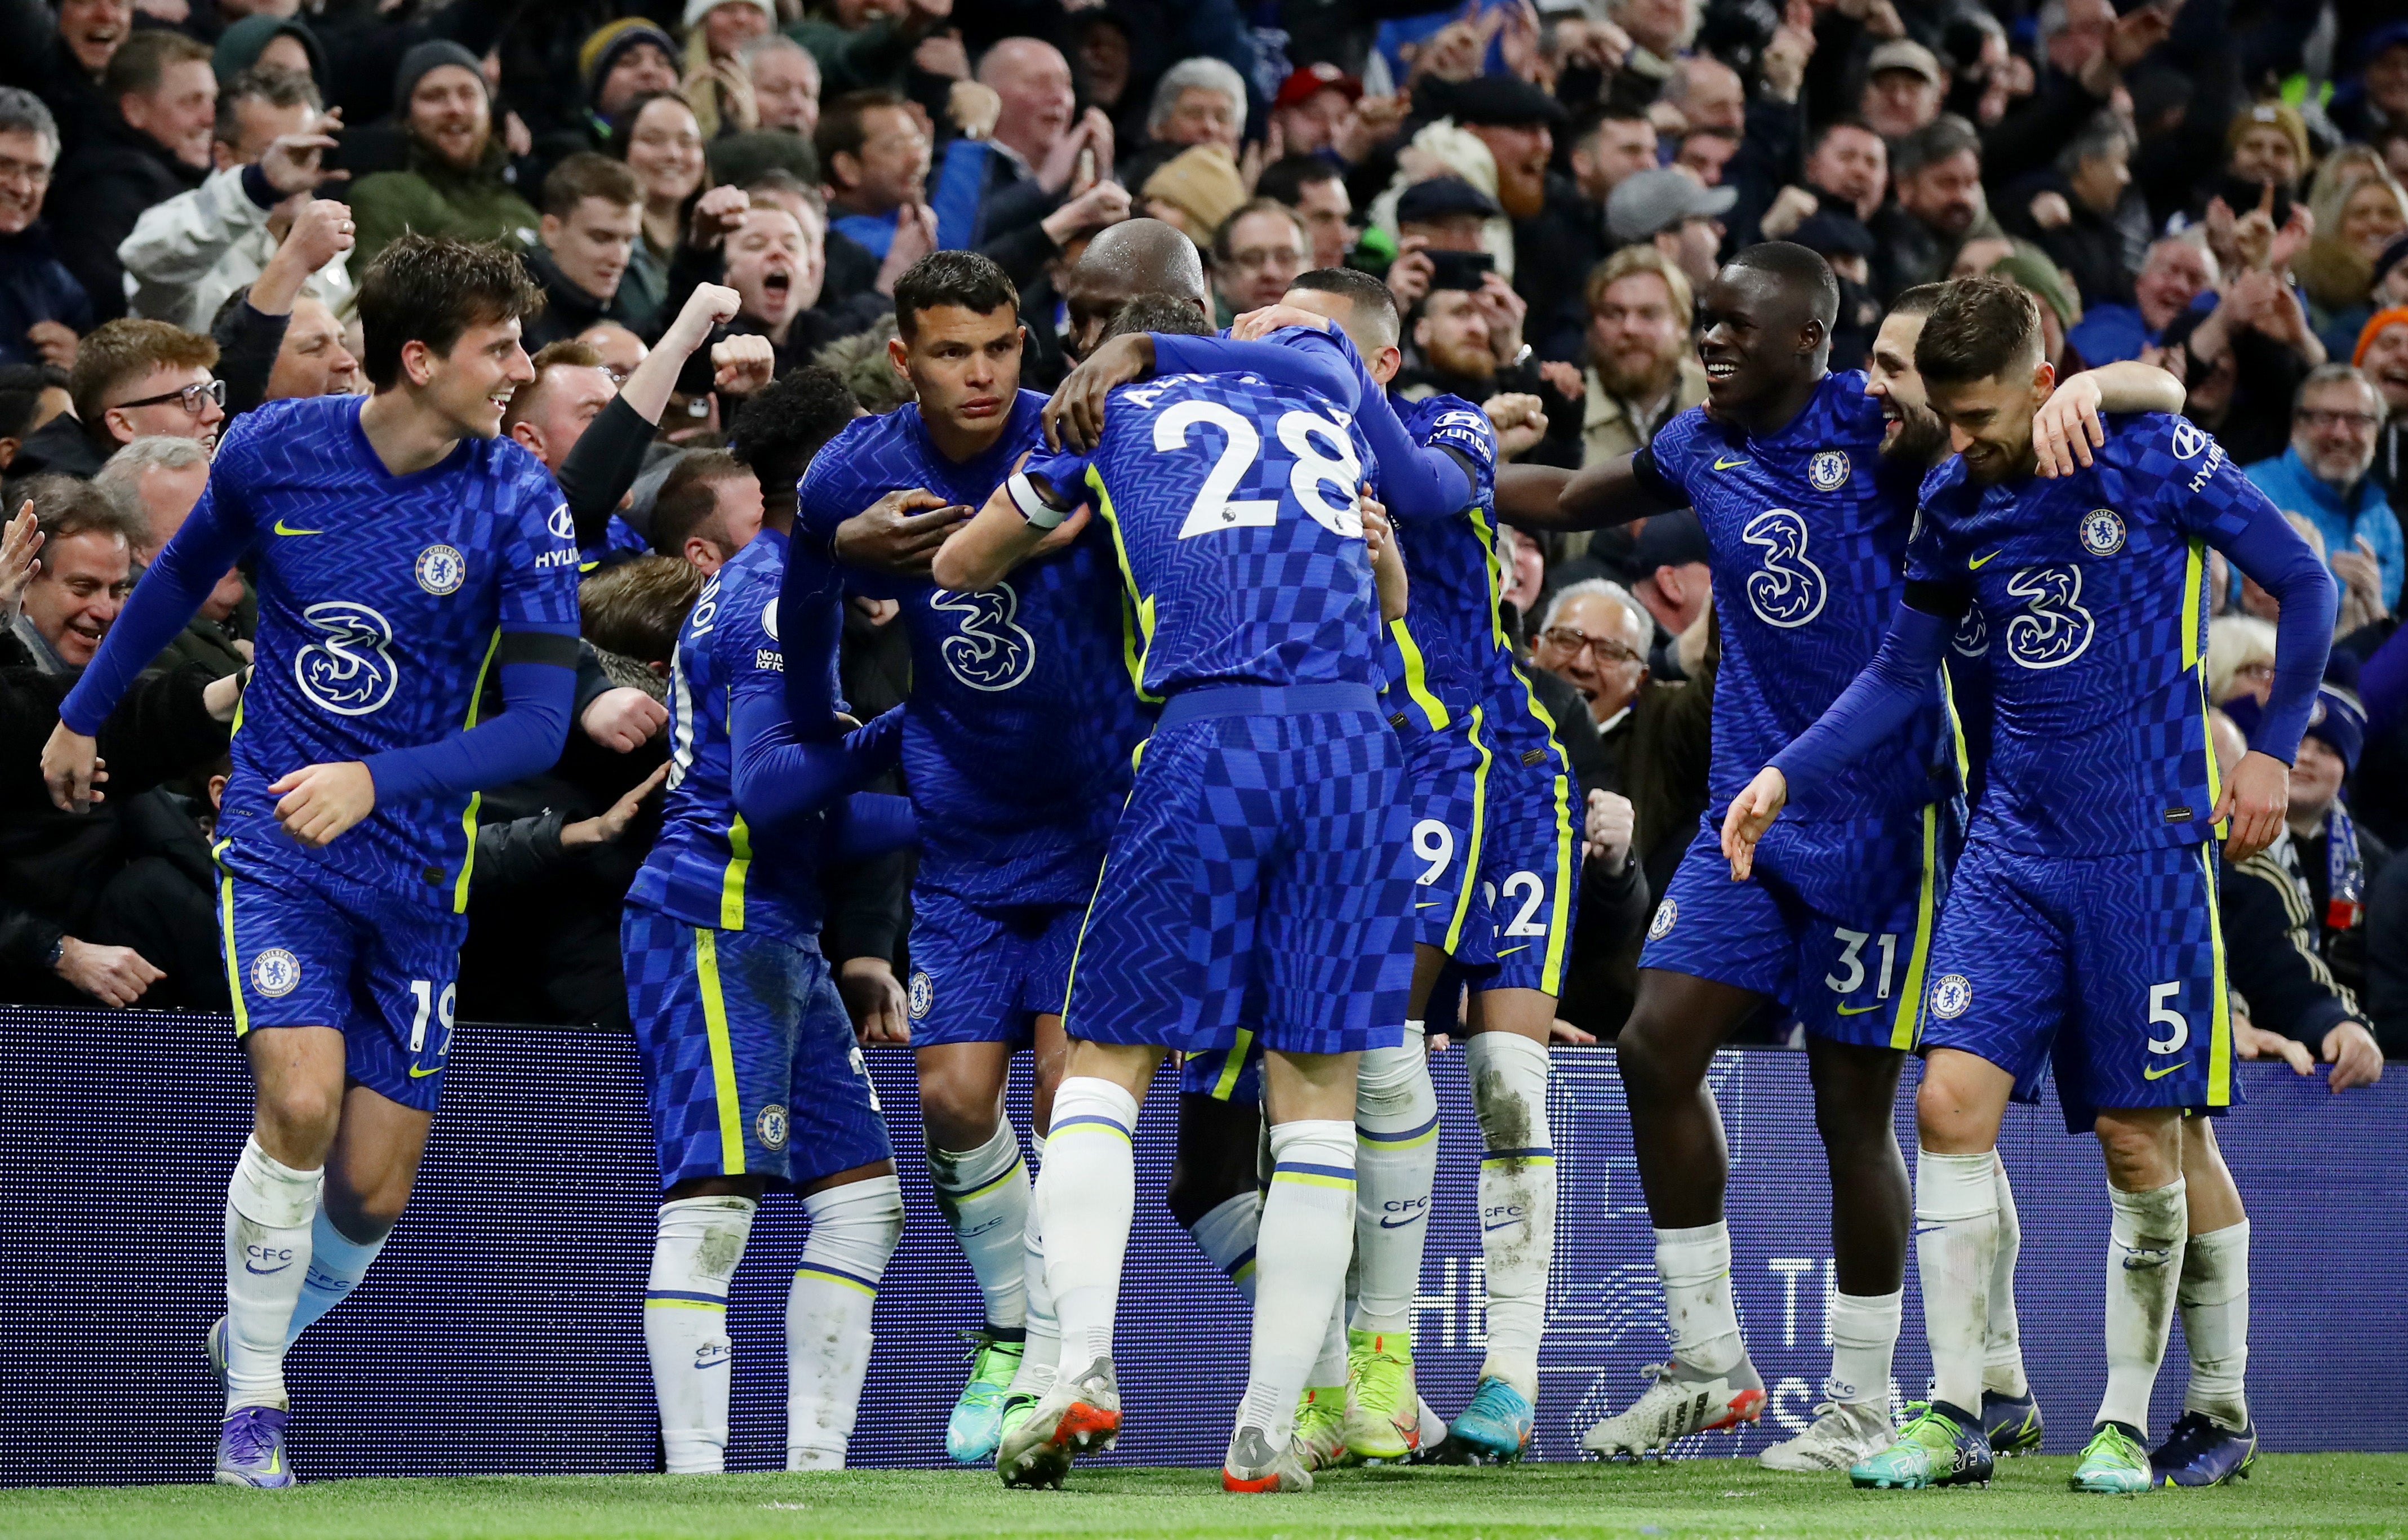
1942	1447
2116	1462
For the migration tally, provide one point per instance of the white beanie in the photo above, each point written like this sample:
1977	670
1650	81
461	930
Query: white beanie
697	9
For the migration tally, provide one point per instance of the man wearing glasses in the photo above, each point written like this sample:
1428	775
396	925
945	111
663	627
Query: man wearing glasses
2323	477
1256	253
132	379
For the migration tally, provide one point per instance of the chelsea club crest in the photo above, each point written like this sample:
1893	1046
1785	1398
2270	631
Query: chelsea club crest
1951	995
2103	532
923	994
441	569
275	971
1827	471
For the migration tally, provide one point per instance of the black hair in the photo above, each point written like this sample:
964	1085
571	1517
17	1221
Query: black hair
1797	267
1918	300
1981	328
431	290
1374	302
21	394
1159	313
951	278
781	428
840	130
1285	179
687	505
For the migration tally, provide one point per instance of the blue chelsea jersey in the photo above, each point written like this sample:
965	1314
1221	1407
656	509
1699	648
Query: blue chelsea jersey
2089	616
382	603
1231	503
1022	714
701	870
1808	528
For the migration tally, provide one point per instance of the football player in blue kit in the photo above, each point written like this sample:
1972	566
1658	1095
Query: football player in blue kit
1015	745
1256	874
1492	840
750	1065
403	552
1809	523
2081	926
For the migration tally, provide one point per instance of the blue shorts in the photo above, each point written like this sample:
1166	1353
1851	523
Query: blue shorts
318	951
1234	1074
1446	777
1257	878
2112	967
984	976
1529	875
750	1062
1836	923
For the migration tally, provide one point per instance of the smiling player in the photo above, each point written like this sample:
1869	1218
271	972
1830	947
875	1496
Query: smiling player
404	551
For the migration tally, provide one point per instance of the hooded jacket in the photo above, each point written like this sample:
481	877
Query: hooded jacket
98	197
433	198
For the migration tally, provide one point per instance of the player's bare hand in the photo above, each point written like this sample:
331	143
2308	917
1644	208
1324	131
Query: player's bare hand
1074	419
1387	560
70	768
2067	426
899	534
1606	833
114	975
622	719
1561	1031
318	802
2251	1041
1751	814
742	364
20	547
1520	420
2354	1055
1254	325
874	998
614	821
2255	798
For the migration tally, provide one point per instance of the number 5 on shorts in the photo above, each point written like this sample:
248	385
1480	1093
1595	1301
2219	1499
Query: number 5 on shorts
2163	1013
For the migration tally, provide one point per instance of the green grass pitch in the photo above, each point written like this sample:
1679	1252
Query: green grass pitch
2286	1495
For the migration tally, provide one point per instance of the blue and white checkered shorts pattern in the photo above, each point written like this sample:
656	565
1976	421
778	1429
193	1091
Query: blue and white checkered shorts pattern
749	1057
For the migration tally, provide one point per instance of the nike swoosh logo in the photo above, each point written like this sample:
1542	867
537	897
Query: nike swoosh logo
1502	1224
266	1272
1386	1223
1858	1010
417	1074
1928	1229
1722	464
1976	563
2161	1074
280	529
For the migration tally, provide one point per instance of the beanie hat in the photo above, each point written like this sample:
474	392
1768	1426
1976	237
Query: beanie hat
2281	115
605	43
425	58
240	45
697	9
1202	183
2396	316
2340	722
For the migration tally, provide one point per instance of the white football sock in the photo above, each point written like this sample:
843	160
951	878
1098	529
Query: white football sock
2214	1297
1035	1376
1329	1367
1396	1162
699	1242
1864	1338
854	1231
1308	1232
2002	1367
1225	1236
269	1210
1088	1195
1956	1242
337	1265
1695	1265
983	1195
1517	1200
2144	1263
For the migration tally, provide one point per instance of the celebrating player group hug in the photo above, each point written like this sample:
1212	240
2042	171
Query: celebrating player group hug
1218	747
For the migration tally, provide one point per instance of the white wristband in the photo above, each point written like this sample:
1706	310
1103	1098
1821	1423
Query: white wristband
1032	505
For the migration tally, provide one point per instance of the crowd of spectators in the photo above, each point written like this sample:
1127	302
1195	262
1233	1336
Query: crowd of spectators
190	188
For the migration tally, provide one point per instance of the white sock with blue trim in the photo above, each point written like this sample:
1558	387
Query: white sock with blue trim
1396	1162
854	1231
1956	1247
1035	1376
1517	1200
1307	1237
1087	1193
695	1254
983	1195
337	1265
1226	1234
269	1206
